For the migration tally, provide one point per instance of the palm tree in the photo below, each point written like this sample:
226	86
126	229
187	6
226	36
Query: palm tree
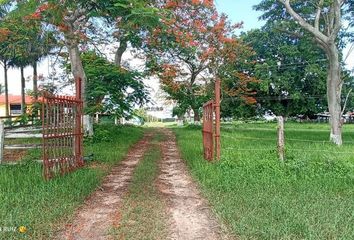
30	43
40	44
21	61
5	53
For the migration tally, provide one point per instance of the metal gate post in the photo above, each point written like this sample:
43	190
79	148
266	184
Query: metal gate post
217	118
2	139
78	121
45	127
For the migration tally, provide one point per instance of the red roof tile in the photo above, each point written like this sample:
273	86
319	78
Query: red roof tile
16	99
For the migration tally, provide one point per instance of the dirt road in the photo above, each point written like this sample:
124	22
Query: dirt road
188	213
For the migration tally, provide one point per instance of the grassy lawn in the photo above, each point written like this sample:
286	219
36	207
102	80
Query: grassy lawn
311	196
143	213
27	200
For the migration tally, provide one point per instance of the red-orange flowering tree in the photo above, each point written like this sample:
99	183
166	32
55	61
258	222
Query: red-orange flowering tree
23	42
195	47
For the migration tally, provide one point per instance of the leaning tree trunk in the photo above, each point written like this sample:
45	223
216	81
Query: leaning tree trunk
326	36
334	91
7	112
23	94
78	71
35	80
196	115
119	53
74	21
77	68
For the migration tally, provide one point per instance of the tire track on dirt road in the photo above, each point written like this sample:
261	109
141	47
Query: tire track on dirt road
190	216
96	216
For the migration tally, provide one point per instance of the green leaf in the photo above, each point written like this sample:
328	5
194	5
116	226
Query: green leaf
122	5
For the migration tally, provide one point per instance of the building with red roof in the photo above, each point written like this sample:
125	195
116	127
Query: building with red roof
14	104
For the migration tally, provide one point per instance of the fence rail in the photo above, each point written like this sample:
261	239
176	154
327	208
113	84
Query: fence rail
12	122
17	133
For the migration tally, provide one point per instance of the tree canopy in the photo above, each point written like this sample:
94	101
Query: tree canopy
324	21
195	46
112	89
290	71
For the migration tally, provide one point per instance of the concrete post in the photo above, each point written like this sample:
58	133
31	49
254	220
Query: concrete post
88	125
281	141
217	118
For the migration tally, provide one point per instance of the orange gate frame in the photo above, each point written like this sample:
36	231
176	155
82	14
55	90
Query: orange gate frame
211	128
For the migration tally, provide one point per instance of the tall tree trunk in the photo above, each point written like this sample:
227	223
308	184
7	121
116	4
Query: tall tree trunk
23	94
35	80
326	37
74	21
334	91
78	71
196	115
193	97
77	68
119	53
7	110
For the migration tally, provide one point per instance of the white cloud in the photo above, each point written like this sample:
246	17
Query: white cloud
14	77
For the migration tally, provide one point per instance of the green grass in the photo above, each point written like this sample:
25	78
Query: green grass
23	141
143	212
22	155
311	196
26	199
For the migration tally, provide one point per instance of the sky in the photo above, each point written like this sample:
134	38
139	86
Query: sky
237	10
241	11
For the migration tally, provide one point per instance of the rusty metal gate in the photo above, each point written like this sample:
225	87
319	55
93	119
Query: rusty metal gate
62	134
208	130
211	126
